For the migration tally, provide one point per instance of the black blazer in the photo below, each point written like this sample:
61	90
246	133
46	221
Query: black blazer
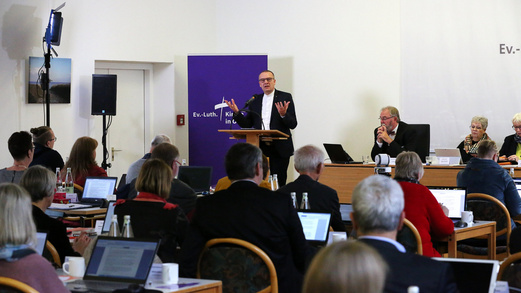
405	140
283	148
262	217
408	269
46	157
321	198
509	146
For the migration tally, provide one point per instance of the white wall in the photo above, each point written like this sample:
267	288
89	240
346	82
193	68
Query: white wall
340	59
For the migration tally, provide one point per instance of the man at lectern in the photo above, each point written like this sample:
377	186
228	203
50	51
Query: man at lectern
271	110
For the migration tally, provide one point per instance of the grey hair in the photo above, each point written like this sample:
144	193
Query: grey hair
393	111
307	158
377	204
16	216
159	139
480	119
516	118
39	182
408	165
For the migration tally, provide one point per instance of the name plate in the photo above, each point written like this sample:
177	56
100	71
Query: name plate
444	161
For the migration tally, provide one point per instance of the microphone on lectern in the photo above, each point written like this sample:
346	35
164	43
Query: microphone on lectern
249	102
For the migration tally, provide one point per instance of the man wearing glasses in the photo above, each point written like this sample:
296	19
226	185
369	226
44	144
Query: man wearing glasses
393	136
271	110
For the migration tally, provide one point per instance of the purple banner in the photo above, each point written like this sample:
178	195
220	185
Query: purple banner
211	80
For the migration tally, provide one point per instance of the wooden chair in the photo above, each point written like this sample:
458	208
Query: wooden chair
54	253
410	238
240	265
9	285
487	208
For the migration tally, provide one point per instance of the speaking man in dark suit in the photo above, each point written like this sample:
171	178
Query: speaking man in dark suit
246	211
309	163
377	216
393	136
271	110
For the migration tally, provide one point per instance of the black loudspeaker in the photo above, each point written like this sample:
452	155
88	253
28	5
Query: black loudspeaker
104	91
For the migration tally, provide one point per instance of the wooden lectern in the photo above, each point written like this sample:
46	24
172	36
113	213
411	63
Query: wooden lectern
253	136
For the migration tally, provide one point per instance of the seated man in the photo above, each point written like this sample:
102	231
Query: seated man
484	175
393	136
134	168
180	192
309	163
377	216
246	211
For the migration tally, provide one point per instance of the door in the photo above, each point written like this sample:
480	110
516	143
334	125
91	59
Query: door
125	136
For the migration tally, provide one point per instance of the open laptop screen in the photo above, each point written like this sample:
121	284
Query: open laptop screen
345	211
41	239
99	187
517	182
473	275
108	217
315	226
197	177
453	198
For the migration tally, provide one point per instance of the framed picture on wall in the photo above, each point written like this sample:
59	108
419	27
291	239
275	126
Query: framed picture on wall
59	84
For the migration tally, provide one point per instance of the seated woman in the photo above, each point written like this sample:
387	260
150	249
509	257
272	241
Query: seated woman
421	207
468	148
18	259
44	139
151	215
21	148
511	149
346	266
82	161
40	183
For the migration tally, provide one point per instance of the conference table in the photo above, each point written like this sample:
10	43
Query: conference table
344	177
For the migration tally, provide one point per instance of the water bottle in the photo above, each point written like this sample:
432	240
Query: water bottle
294	199
127	228
58	180
69	182
413	289
275	182
305	202
270	181
512	174
114	227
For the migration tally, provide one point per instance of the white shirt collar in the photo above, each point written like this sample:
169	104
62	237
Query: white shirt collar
385	239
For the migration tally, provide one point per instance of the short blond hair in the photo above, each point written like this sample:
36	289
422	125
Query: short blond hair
481	120
155	177
16	216
516	118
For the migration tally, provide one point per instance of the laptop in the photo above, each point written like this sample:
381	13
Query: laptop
448	156
315	226
116	263
108	217
41	240
97	189
455	199
517	182
345	211
338	155
473	275
197	177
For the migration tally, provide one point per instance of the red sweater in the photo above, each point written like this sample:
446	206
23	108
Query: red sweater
94	171
424	211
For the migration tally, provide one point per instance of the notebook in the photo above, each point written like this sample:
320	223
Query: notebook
448	156
454	199
338	155
116	263
108	217
473	275
197	177
41	240
345	211
315	226
97	189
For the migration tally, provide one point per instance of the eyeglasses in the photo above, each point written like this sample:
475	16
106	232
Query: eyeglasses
177	162
269	79
53	139
385	118
516	127
475	127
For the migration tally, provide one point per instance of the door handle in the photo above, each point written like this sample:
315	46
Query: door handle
114	150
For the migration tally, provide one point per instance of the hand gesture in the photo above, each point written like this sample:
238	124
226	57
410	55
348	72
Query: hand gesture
382	135
282	107
232	105
80	243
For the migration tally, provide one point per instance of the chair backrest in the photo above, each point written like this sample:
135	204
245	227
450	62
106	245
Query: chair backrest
240	265
423	139
9	285
54	253
510	271
410	238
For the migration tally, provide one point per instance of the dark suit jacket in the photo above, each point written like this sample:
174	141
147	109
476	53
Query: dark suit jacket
408	269
56	233
509	146
284	148
265	218
46	157
321	198
405	140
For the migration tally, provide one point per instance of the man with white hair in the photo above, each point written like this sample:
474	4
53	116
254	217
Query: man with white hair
309	163
377	217
134	168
